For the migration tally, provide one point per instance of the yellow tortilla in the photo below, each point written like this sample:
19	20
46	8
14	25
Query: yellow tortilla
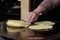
9	29
17	23
45	22
44	25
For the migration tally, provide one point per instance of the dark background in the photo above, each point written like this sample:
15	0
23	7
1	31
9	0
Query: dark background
7	11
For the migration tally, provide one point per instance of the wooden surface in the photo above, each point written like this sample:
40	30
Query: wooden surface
23	35
24	8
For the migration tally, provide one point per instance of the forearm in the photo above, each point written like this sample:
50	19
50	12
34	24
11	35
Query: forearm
47	5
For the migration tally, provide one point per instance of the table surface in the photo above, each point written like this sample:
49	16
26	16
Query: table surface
22	35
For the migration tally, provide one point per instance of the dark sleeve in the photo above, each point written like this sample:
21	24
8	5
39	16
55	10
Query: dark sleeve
50	4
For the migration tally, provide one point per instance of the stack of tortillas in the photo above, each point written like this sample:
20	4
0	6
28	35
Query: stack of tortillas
15	25
43	25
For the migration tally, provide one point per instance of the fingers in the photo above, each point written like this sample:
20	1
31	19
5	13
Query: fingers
31	17
27	18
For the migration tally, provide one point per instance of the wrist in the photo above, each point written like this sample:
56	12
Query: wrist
39	10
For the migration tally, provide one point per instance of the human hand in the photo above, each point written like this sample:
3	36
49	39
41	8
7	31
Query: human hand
31	17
